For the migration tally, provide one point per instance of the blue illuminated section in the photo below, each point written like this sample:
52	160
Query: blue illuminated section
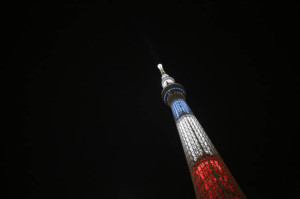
179	107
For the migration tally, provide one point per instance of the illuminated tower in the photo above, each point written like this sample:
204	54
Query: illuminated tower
211	177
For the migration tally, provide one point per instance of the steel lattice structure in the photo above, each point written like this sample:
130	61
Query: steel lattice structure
211	177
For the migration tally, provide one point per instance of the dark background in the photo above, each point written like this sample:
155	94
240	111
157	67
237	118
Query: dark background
83	117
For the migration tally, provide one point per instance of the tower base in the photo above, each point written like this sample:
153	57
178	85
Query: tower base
212	179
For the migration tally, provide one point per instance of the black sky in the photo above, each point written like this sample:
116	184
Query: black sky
82	107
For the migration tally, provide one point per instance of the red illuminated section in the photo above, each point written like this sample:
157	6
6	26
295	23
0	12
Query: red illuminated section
212	179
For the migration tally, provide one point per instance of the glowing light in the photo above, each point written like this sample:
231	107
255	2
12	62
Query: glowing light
160	66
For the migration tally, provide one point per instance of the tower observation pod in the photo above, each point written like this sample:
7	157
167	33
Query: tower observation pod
211	177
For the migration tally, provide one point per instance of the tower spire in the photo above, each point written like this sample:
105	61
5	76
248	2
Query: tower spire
165	78
161	69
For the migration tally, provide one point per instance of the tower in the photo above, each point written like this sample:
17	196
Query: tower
211	177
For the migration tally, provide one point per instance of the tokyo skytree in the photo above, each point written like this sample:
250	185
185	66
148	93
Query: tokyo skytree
211	177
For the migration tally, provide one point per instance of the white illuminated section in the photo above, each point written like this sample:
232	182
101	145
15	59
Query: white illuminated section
193	138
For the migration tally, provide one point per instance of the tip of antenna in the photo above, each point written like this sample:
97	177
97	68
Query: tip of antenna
159	66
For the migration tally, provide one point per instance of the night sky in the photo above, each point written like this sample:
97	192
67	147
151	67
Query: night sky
83	115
